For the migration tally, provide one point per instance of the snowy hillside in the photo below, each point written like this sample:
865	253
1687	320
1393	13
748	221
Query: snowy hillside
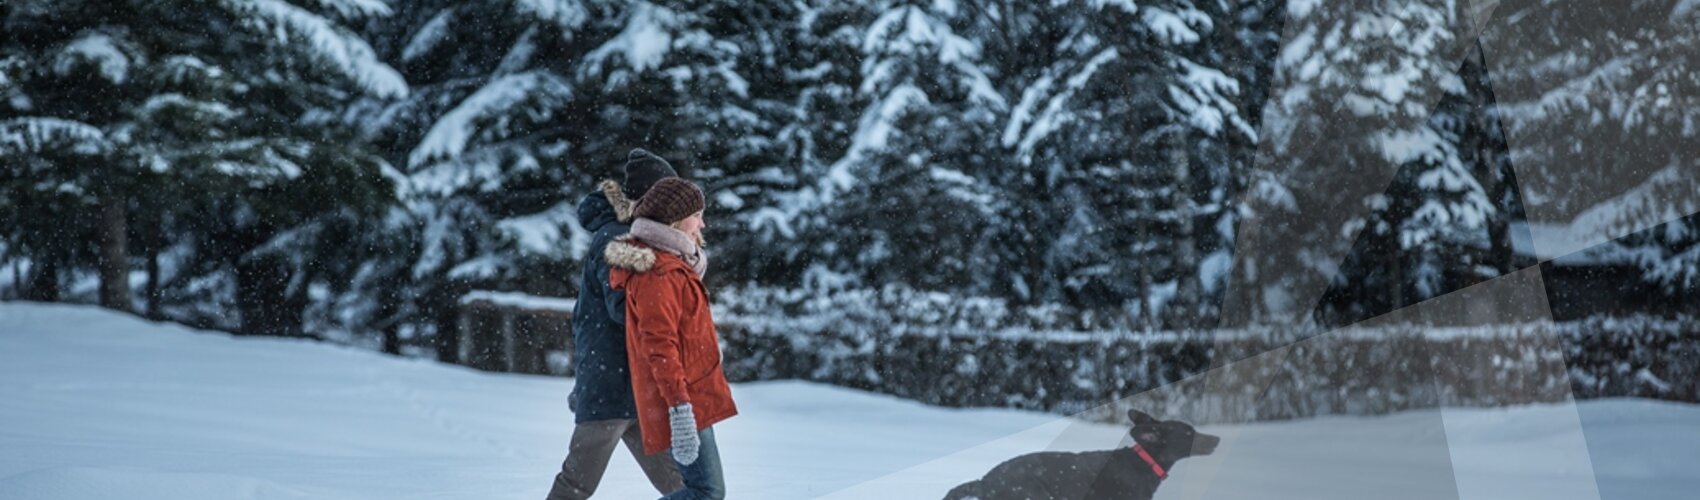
95	405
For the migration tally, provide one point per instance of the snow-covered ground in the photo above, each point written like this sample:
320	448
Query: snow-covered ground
95	405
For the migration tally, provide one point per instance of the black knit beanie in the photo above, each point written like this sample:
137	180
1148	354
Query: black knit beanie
670	200
642	170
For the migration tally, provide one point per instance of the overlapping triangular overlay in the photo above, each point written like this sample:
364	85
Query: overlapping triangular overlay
1472	388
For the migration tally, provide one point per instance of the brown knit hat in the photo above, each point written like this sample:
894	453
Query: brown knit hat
670	200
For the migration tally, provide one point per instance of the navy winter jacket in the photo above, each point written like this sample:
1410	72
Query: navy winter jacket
604	388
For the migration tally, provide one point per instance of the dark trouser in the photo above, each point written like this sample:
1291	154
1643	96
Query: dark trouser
703	479
588	453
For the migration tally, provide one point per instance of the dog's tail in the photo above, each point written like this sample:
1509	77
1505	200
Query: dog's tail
967	491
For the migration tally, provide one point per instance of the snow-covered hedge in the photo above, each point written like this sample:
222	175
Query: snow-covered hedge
956	353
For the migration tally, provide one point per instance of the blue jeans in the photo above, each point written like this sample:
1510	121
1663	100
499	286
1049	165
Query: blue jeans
703	479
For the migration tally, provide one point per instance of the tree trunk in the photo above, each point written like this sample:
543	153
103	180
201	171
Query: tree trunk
1187	278
392	338
1242	298
43	280
114	254
443	308
262	297
1148	317
388	307
1399	280
153	242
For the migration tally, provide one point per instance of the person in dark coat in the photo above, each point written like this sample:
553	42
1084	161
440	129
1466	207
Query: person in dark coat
604	412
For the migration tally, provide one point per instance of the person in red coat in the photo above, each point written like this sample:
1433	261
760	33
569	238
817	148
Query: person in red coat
671	344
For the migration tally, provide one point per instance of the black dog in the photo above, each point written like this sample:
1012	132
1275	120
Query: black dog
1126	473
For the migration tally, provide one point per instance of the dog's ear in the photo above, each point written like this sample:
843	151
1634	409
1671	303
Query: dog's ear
1146	435
1140	418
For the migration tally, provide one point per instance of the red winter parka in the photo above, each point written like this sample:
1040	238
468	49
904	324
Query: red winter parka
671	343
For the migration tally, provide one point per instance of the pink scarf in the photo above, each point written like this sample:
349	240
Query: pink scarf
672	240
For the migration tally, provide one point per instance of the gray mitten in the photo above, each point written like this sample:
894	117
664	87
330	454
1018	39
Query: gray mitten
685	440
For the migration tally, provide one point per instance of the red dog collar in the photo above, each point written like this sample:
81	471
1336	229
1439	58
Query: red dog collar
1155	467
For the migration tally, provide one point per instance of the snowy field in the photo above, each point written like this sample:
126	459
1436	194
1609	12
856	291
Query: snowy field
95	405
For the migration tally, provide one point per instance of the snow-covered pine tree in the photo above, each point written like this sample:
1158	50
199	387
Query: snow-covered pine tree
471	146
1670	257
1598	102
56	138
804	71
941	173
1113	107
1357	84
1244	45
210	101
905	203
1443	221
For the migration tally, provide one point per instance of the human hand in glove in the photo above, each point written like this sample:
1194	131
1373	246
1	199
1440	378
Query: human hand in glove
684	426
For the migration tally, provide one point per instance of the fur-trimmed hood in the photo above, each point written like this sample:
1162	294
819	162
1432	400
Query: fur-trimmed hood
617	197
610	206
627	252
